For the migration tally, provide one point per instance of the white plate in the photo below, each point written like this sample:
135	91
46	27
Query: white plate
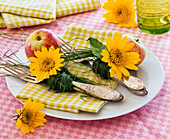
150	72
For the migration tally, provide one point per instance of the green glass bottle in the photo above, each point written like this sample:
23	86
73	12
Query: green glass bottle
153	15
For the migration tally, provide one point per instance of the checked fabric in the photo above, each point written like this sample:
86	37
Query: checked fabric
83	33
19	13
66	101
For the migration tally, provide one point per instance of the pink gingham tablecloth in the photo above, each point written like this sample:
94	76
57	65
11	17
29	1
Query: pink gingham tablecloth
150	121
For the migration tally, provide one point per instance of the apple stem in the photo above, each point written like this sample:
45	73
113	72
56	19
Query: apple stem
38	38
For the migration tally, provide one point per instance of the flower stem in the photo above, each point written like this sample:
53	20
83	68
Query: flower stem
8	36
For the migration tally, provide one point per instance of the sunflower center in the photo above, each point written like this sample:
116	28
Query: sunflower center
117	56
48	64
123	14
27	116
119	11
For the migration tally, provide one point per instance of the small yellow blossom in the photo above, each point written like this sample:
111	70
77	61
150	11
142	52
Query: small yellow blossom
29	116
45	63
120	12
118	56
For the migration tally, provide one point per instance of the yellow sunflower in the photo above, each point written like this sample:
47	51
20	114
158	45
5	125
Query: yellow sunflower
118	56
120	12
45	63
29	116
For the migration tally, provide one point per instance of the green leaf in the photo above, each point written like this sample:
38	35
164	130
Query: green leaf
62	82
96	47
14	116
101	68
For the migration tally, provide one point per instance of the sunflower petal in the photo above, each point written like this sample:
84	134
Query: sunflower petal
31	129
38	54
113	66
40	114
129	46
44	49
117	40
132	55
18	112
40	77
134	61
109	44
112	72
124	40
24	128
130	66
120	25
117	71
129	2
105	55
118	74
124	71
19	122
109	17
108	6
34	73
32	59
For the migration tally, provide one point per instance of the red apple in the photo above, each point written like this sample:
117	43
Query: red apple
39	38
138	48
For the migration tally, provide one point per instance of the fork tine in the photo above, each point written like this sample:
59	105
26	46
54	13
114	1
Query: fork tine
18	74
66	45
21	66
11	72
63	50
8	62
19	71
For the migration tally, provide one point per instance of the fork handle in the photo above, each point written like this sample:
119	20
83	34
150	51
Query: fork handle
101	92
133	83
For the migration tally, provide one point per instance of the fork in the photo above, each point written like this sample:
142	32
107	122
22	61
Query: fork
101	92
19	71
133	84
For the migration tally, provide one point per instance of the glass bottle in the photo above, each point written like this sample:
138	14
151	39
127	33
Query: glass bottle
153	15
